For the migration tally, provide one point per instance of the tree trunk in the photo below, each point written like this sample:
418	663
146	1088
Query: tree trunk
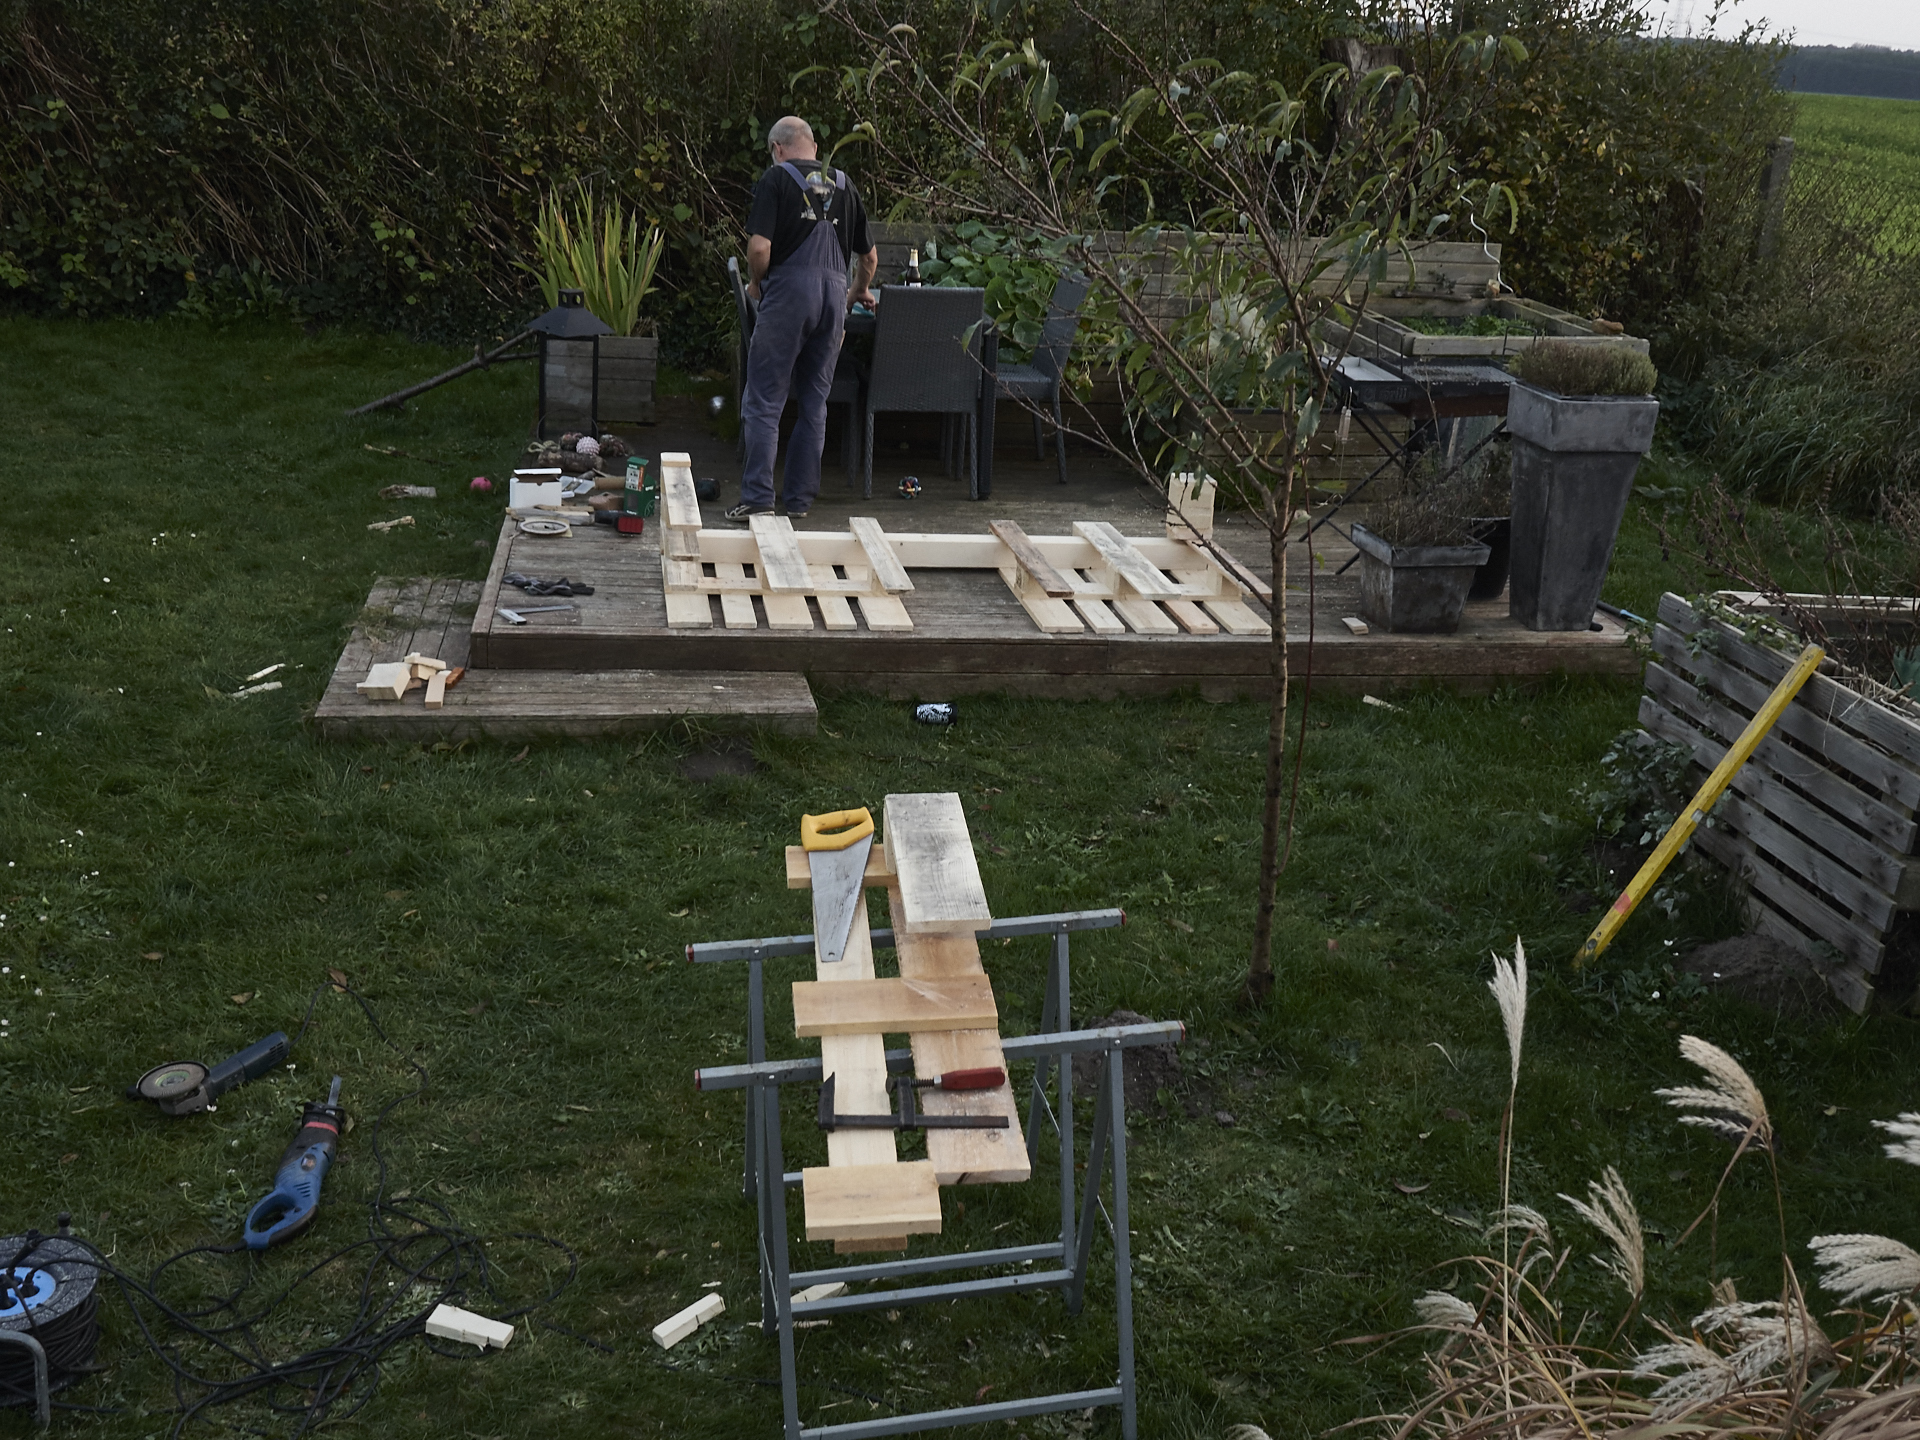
1259	983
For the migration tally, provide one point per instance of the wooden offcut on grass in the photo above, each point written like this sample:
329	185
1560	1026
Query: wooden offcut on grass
180	869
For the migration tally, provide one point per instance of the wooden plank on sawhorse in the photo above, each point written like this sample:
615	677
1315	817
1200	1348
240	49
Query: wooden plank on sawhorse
931	851
890	1006
1127	570
960	1157
888	572
868	1203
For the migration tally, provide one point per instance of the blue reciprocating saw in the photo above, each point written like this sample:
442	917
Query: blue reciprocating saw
290	1206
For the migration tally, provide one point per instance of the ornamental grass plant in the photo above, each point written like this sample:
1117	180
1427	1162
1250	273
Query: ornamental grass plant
1514	1355
596	247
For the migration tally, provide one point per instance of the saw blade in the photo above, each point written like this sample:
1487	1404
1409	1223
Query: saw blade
839	894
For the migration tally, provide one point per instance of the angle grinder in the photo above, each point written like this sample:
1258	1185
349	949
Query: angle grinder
184	1087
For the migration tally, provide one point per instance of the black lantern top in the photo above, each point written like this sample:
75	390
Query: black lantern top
570	319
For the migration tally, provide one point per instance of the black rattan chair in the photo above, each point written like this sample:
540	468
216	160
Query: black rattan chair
1039	382
926	360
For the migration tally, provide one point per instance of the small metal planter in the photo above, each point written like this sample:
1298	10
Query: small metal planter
1415	589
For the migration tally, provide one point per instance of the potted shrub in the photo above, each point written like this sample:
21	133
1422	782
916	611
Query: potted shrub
1418	558
598	249
1580	418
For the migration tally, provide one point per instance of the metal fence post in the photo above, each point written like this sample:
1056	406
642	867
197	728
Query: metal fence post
1122	1238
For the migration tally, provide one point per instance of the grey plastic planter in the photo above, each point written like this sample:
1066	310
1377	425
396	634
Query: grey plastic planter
1414	589
1574	460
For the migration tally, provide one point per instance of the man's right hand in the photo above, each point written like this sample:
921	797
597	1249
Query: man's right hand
753	292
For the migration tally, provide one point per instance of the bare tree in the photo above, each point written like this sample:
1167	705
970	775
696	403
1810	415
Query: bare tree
1285	207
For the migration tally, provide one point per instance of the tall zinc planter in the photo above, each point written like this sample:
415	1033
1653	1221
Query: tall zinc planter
1574	459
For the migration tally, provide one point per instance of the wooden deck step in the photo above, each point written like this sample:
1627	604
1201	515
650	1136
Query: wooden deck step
434	618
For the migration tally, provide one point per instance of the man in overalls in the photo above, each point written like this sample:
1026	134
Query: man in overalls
806	222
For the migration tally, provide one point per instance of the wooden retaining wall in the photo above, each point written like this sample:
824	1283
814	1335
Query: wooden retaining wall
1820	823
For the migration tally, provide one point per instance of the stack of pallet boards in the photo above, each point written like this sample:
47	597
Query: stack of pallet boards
1095	579
865	1198
1821	821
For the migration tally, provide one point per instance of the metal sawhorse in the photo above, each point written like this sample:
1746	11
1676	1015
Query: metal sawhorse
1069	1255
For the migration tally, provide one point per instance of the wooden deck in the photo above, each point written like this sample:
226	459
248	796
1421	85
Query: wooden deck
971	636
435	618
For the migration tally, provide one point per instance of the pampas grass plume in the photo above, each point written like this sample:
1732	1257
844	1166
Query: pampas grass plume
1730	1104
1855	1266
1907	1146
1509	987
1609	1208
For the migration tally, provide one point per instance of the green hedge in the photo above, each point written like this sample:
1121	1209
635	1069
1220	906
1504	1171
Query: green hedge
382	163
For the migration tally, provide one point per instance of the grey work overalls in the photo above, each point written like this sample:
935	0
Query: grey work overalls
796	343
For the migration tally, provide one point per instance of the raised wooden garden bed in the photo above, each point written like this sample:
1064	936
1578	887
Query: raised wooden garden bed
1382	331
1821	821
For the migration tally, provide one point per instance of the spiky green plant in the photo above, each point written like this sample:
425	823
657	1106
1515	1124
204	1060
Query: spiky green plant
596	247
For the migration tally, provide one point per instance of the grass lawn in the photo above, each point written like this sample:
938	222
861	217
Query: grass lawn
179	870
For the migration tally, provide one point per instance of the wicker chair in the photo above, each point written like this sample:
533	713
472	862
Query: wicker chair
926	360
1040	381
849	381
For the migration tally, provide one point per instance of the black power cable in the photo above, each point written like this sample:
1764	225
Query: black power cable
218	1351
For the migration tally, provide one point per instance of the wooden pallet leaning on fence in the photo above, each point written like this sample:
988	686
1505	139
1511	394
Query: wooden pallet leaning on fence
776	568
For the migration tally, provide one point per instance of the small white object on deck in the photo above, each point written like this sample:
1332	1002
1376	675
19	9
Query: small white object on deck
1354	623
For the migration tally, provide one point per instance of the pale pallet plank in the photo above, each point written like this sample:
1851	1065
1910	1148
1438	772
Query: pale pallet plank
1897	832
681	504
788	612
736	606
1029	563
887	569
1863	761
860	1061
1126	561
1236	617
879	871
687	611
1859	853
1052	617
960	1157
835	612
1191	617
932	852
891	1006
884	614
871	1202
1144	617
781	567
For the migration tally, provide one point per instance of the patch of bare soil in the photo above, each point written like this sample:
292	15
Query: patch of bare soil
1765	972
1146	1071
725	756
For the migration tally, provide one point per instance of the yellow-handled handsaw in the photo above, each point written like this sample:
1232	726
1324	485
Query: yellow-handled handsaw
837	847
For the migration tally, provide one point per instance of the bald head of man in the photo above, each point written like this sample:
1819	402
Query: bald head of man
791	138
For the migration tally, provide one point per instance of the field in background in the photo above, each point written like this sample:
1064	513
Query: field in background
1877	141
179	870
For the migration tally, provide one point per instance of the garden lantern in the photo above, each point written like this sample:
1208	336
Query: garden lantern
569	360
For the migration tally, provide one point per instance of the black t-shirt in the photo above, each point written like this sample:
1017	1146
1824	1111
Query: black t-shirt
780	212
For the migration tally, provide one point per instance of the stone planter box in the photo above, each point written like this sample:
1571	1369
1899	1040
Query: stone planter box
1820	823
1414	589
1574	459
599	383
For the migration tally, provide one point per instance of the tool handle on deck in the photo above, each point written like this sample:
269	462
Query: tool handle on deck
813	828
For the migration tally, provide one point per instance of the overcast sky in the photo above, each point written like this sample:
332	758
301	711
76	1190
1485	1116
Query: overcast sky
1894	23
